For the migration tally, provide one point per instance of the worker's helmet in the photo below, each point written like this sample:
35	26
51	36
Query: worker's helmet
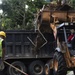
2	33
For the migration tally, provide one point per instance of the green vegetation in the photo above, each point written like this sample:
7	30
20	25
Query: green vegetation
21	14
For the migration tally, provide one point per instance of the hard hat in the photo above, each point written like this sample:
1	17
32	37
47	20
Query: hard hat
3	33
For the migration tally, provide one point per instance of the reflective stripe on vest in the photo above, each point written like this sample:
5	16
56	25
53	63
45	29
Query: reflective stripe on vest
1	47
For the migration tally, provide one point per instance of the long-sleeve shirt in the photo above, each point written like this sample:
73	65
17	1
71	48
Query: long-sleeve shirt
70	38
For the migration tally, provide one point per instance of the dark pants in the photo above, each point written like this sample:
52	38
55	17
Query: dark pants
73	43
1	64
0	60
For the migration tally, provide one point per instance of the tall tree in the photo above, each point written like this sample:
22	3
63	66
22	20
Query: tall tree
17	12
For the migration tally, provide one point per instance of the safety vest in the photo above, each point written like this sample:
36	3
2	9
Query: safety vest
1	47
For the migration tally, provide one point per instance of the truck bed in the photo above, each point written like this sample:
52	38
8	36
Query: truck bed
19	46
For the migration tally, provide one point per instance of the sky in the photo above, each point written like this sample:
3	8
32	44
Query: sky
1	11
0	1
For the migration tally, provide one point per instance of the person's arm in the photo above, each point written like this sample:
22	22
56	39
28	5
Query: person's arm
70	37
54	30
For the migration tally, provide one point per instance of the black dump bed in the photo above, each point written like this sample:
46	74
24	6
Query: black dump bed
19	45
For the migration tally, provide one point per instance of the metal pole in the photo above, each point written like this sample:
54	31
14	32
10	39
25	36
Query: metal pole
65	35
16	68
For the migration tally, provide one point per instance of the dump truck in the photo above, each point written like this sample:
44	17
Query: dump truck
28	52
20	52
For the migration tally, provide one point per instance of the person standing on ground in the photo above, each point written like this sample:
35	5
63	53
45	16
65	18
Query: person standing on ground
2	47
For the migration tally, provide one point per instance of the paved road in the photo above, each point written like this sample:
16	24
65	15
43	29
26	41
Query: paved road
70	73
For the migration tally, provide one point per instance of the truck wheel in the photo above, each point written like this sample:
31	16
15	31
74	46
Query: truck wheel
59	64
36	68
19	65
48	66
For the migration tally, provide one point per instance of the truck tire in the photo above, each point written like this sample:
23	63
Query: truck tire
36	68
48	70
19	65
59	64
